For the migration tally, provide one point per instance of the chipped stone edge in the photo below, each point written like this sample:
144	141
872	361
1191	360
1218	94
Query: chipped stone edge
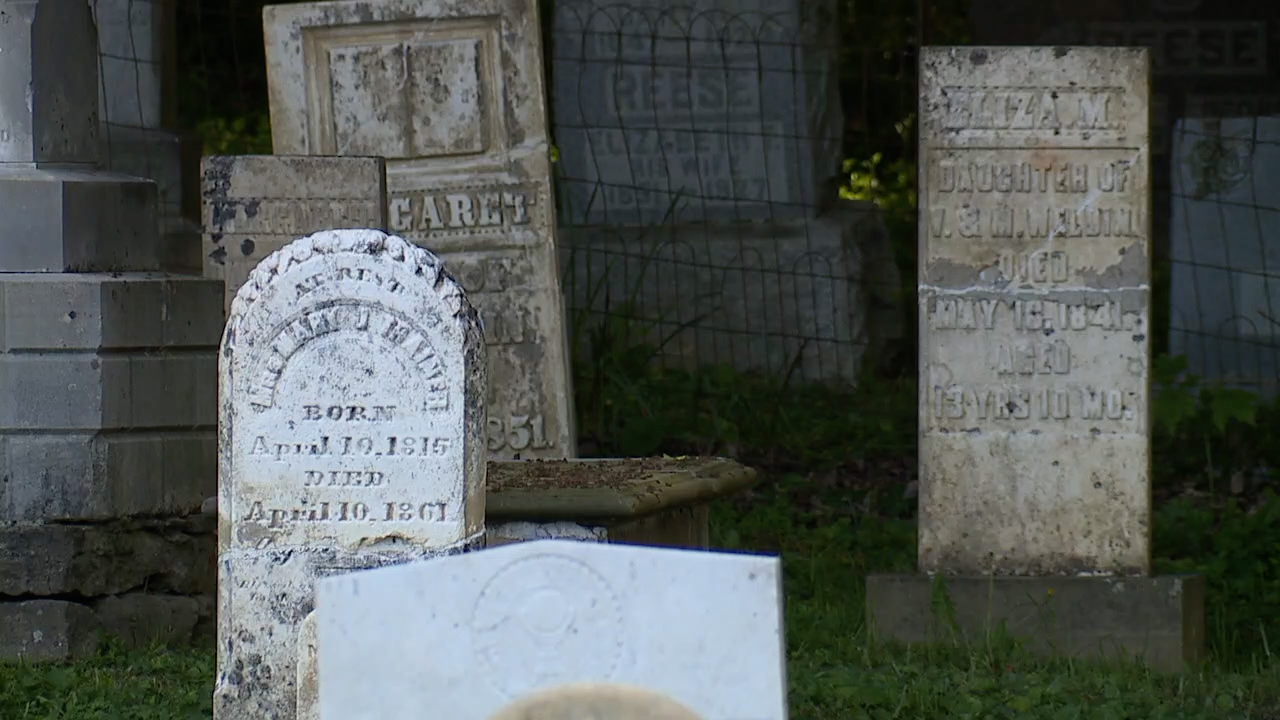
658	491
357	242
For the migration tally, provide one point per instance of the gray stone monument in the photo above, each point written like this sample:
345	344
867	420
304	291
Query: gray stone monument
699	147
1035	439
106	369
693	111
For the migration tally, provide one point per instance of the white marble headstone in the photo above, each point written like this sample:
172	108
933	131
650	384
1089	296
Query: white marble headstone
464	636
351	436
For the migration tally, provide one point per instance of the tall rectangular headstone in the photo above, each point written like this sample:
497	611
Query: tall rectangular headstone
451	93
254	205
351	425
1035	436
697	110
1034	287
467	636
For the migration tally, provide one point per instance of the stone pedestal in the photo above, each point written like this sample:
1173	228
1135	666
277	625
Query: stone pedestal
113	383
76	220
107	435
1157	620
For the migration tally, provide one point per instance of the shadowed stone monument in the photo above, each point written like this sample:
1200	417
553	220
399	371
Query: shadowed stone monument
107	384
1035	439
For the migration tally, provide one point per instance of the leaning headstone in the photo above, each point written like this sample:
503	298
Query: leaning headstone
467	636
696	110
451	93
1225	272
254	205
351	417
1035	438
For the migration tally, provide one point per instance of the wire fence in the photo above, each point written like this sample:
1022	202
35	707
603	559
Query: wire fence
697	186
699	151
1224	256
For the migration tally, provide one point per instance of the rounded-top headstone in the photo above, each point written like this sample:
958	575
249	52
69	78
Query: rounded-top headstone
595	701
48	82
351	436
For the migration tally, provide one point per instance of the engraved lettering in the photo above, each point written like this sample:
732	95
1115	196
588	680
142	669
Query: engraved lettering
1031	109
349	413
459	211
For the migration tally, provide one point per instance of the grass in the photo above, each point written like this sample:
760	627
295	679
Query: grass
836	505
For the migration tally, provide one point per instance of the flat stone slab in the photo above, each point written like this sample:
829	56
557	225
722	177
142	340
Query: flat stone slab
465	636
1160	620
607	489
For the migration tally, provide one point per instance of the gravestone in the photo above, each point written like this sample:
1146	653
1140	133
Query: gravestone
468	169
351	417
254	205
1225	250
1035	442
701	110
466	636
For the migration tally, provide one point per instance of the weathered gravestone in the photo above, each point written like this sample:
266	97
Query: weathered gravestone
1034	357
1225	250
699	110
451	93
257	204
467	636
352	421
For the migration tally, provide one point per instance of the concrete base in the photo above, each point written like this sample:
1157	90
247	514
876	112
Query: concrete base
64	220
1159	620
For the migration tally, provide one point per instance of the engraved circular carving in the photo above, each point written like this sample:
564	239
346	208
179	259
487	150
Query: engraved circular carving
595	701
546	620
